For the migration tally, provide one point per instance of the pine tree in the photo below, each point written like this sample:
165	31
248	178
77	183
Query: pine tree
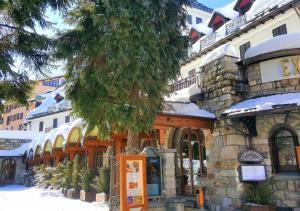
58	176
76	173
19	41
121	56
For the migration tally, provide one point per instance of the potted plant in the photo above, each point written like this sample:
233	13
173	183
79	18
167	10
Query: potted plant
101	184
258	197
87	193
68	178
74	192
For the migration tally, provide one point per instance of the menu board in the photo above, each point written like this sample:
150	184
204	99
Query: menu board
253	173
134	182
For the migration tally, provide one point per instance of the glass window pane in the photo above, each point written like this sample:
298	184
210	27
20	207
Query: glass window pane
286	151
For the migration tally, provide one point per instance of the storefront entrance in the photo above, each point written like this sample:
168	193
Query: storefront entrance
191	161
8	171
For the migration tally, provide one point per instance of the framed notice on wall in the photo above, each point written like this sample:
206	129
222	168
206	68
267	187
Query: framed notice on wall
133	183
253	173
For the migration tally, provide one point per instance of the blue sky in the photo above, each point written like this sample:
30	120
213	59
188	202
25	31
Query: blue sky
215	3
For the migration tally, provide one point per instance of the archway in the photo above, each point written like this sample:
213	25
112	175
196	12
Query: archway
283	143
191	160
8	171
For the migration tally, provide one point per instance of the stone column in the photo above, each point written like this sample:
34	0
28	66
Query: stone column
168	172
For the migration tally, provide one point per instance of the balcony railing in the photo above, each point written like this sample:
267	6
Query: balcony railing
208	41
236	24
185	83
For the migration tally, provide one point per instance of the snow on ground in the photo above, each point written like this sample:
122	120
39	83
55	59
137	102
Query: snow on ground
17	198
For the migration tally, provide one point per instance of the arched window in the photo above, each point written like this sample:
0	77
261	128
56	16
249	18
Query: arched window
284	156
191	160
8	171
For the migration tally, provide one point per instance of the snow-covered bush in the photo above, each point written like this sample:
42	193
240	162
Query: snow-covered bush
43	175
58	175
67	181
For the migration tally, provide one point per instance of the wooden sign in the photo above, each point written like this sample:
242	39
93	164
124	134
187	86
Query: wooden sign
251	156
133	186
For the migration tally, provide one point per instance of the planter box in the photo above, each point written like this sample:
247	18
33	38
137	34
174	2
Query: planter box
64	191
298	156
73	194
88	196
101	197
256	207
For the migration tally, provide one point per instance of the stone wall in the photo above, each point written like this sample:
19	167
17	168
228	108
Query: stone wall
286	187
218	84
257	88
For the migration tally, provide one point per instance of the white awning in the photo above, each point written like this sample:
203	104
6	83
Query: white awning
266	103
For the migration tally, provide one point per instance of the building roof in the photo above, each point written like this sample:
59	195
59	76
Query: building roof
17	152
259	10
266	103
186	109
278	43
50	105
200	6
18	135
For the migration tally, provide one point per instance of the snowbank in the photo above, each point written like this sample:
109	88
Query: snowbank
264	103
282	42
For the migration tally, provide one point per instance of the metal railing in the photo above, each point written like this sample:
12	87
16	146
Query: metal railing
236	24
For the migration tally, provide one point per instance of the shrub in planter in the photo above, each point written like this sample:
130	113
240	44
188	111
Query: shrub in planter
101	184
67	180
87	193
75	191
258	196
43	176
58	176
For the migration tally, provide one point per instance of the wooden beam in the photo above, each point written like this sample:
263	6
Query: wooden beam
182	122
162	136
97	143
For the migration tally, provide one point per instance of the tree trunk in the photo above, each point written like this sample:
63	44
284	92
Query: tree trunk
133	143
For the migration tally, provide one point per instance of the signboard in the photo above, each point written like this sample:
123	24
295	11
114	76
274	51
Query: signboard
133	188
279	69
251	156
252	173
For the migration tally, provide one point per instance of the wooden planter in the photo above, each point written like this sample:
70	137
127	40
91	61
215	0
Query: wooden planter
88	196
73	194
298	156
257	207
101	197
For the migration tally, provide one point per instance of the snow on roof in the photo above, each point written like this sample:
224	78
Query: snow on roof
50	105
258	9
18	134
183	95
264	103
261	7
38	140
20	151
227	11
223	50
202	28
186	109
282	42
